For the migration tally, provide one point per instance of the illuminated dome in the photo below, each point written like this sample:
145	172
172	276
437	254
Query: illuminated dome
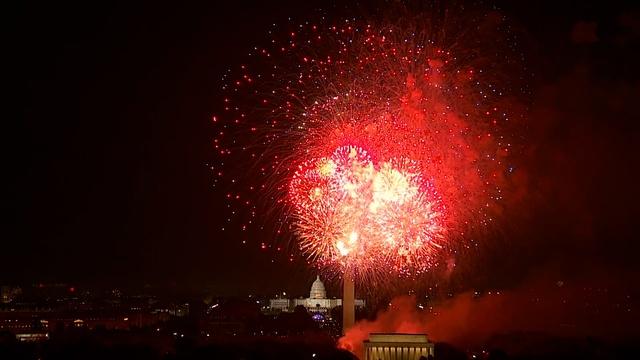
317	290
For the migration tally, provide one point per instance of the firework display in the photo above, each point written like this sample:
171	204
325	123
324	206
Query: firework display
379	145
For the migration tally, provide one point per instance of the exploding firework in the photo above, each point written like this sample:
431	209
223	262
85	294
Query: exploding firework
357	214
382	145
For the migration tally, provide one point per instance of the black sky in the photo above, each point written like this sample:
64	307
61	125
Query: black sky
106	170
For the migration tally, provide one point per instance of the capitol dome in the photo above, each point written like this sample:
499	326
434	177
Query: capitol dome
317	290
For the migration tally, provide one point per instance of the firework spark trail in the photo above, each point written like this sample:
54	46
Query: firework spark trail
379	144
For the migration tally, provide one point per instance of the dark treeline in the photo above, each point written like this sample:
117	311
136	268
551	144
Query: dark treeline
103	345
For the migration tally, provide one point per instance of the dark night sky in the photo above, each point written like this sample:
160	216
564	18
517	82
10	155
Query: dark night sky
106	161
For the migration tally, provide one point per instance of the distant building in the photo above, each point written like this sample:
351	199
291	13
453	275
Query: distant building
398	347
317	301
43	321
280	304
9	293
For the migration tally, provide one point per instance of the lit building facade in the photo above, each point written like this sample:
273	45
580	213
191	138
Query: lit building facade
398	347
317	302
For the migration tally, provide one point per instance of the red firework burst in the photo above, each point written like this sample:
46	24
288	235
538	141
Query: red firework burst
381	144
357	214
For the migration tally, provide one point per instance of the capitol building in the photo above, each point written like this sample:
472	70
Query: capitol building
317	302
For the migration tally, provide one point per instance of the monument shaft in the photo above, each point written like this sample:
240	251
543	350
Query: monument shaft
348	302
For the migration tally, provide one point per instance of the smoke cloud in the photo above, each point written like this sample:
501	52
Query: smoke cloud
600	307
